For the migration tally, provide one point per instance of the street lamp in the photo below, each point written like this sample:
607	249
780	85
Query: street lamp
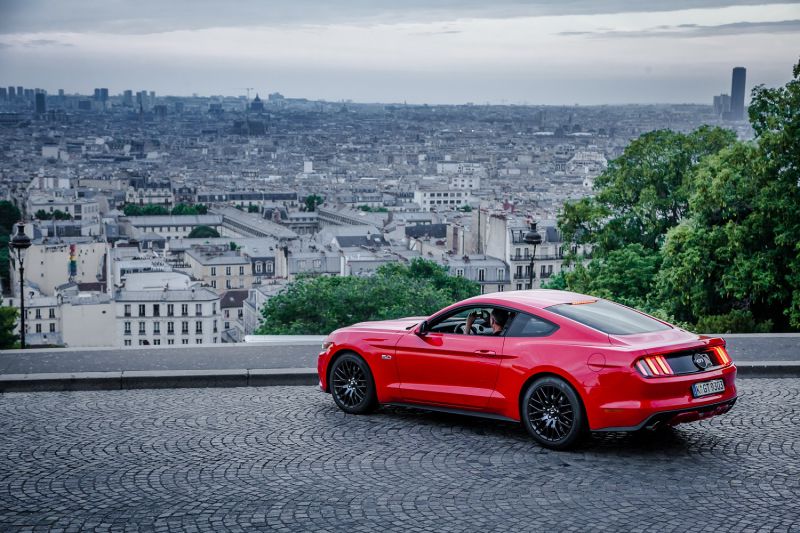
21	242
532	238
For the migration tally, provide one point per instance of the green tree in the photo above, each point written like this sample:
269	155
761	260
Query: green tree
61	215
8	323
203	232
133	210
317	305
312	201
9	215
252	208
184	209
738	258
41	214
644	192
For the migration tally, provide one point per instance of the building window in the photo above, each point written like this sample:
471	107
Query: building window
184	309
127	310
52	313
198	309
127	342
259	268
157	342
213	271
228	284
170	341
501	273
213	284
156	310
38	328
241	271
214	308
270	267
198	327
460	272
184	341
38	313
141	310
215	326
185	327
141	328
127	328
52	327
481	274
156	328
170	328
227	271
170	310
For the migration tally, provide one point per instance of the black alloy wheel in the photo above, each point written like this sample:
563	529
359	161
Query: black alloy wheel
553	413
352	385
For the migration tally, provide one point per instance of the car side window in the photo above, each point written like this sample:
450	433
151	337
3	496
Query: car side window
525	325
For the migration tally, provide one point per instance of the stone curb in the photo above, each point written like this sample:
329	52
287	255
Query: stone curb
255	377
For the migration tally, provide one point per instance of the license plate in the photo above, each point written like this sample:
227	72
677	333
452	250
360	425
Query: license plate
705	388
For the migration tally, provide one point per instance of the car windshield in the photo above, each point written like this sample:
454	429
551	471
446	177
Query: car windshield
609	317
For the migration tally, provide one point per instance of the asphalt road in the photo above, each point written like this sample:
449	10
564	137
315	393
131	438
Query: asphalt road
285	459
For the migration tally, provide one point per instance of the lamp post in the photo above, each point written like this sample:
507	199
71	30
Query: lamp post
20	243
533	238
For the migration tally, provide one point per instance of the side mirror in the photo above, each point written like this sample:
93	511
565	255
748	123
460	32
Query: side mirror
422	329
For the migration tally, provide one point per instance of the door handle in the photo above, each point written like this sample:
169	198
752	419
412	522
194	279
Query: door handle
487	353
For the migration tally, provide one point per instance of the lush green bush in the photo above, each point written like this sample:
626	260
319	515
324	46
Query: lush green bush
319	305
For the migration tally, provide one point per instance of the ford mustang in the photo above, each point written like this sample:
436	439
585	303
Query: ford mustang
561	363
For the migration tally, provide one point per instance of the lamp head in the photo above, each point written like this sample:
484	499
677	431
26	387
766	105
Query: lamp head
20	241
532	237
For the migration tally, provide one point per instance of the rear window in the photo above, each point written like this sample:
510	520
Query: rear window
609	317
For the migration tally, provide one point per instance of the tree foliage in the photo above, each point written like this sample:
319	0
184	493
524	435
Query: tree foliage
203	232
701	227
133	210
319	305
8	325
312	201
57	214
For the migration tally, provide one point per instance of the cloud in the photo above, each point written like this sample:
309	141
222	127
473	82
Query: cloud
155	16
694	30
34	43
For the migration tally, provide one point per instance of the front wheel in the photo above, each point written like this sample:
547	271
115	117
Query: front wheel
553	414
352	385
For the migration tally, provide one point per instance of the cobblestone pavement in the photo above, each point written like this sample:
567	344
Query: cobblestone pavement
284	458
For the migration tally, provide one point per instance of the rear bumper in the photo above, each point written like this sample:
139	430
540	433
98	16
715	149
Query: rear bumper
671	418
635	402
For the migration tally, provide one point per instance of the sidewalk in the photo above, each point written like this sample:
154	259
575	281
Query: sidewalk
276	360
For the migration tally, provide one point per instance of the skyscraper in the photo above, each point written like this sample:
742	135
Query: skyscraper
12	92
41	103
3	93
737	93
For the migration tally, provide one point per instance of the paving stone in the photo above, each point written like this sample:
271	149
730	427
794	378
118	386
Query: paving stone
286	459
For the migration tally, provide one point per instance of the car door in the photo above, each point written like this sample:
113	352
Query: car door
448	368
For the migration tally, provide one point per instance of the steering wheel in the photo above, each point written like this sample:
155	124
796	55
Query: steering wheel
477	329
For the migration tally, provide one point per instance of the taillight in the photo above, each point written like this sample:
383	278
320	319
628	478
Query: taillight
723	358
654	365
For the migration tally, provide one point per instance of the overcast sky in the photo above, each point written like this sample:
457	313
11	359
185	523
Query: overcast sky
447	51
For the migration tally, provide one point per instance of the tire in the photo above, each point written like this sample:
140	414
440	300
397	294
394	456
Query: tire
352	385
553	414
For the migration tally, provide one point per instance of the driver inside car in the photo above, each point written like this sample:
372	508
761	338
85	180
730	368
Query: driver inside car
497	319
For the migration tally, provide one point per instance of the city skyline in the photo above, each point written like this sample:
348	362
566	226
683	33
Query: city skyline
609	52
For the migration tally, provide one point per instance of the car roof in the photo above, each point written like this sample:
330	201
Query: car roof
537	298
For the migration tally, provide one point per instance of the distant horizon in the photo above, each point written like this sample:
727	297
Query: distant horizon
439	52
263	97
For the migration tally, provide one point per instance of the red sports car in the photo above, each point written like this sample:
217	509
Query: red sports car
561	363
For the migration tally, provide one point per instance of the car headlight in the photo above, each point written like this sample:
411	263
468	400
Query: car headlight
326	345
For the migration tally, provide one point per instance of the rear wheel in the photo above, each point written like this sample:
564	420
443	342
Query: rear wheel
552	413
352	385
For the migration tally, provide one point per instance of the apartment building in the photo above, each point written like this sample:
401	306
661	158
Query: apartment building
167	317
